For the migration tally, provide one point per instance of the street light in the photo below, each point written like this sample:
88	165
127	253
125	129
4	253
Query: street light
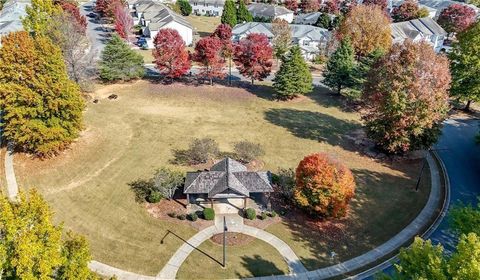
225	229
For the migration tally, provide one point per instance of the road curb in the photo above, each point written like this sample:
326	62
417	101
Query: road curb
426	234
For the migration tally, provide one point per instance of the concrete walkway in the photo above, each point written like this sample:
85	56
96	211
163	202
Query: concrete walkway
171	268
297	269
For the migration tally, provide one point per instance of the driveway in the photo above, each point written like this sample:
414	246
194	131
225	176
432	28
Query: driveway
97	33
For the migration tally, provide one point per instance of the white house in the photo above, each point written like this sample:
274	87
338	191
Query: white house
11	16
307	18
419	29
435	7
153	16
207	7
309	38
270	12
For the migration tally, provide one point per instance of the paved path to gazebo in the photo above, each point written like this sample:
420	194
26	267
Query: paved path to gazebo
234	224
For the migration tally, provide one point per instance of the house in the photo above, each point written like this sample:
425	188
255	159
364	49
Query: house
308	18
419	29
270	12
11	16
435	7
207	7
228	181
309	38
153	16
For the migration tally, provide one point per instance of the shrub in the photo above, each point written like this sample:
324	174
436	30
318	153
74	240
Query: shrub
209	214
273	214
250	213
181	216
263	216
285	181
201	150
324	187
193	216
154	197
172	214
142	189
246	151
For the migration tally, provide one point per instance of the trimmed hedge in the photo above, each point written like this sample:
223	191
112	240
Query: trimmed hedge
209	214
154	197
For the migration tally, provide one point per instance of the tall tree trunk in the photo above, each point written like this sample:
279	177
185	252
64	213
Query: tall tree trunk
230	71
339	88
467	107
252	81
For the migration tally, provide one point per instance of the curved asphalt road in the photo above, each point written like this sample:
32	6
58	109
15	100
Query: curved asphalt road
461	156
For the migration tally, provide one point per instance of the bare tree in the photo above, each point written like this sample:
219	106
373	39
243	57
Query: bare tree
75	46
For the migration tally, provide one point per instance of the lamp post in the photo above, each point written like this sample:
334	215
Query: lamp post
224	242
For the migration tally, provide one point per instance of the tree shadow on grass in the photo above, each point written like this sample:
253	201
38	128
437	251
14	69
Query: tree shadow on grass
258	266
313	125
323	96
383	205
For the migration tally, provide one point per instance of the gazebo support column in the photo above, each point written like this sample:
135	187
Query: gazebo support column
188	200
245	203
211	203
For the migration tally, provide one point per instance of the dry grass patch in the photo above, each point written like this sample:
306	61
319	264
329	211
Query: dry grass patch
129	138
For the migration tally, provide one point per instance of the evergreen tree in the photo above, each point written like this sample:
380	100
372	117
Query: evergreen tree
293	78
324	21
229	14
465	65
243	15
42	108
363	66
185	7
120	62
339	72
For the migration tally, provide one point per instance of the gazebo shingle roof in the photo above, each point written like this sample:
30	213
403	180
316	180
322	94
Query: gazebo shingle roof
228	174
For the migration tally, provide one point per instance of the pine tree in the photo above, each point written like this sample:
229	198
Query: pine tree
42	114
120	62
340	67
185	7
229	14
243	15
293	78
465	66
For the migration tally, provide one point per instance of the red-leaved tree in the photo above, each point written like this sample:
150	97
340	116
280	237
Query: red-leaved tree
309	6
406	97
208	53
224	33
73	10
292	5
381	3
123	21
253	57
107	7
408	10
323	186
330	7
171	57
456	18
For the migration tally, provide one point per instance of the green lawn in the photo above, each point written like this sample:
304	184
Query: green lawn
203	25
128	138
254	259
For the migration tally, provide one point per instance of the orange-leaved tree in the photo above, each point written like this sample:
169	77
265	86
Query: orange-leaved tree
368	28
324	186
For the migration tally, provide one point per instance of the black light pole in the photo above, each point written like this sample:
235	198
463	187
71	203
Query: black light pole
423	167
224	240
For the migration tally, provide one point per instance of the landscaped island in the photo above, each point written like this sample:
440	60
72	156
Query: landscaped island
127	139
